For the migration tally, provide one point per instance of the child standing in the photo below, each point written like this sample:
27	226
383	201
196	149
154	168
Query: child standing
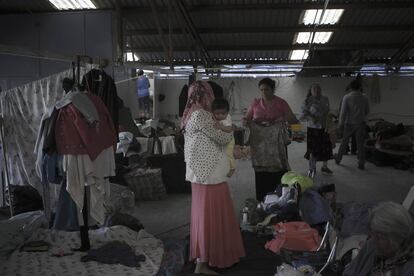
220	109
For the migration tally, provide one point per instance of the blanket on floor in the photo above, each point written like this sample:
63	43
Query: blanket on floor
43	263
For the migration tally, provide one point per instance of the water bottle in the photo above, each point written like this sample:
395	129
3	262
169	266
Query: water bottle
245	212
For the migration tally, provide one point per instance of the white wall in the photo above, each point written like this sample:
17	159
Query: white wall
397	94
171	89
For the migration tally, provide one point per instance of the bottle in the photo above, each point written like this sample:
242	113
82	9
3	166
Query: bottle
245	215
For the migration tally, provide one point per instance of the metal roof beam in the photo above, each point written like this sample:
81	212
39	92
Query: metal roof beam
281	6
184	30
398	58
230	61
146	9
160	32
282	29
193	31
286	47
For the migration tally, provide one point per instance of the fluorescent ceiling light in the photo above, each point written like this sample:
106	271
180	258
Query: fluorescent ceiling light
298	54
319	37
73	4
331	16
131	56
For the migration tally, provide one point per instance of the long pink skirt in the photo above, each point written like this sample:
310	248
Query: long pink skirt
215	236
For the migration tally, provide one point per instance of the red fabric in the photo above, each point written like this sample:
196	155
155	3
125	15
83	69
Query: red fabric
215	236
259	112
295	235
75	136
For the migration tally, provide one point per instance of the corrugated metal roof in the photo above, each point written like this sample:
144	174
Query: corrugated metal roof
362	38
253	18
380	16
250	39
248	29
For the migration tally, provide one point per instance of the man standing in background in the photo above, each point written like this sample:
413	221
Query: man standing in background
352	117
143	86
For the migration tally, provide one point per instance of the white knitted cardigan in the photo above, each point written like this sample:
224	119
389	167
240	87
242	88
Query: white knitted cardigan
203	143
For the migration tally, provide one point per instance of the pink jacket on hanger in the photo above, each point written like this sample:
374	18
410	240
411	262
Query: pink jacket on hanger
75	136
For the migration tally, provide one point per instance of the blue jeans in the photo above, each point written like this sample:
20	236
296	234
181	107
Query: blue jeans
143	103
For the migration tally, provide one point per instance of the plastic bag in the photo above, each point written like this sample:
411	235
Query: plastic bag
17	229
31	221
288	270
291	178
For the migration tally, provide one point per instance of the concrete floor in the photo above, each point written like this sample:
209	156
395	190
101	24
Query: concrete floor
171	216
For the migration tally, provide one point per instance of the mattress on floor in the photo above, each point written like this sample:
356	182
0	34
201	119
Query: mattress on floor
42	263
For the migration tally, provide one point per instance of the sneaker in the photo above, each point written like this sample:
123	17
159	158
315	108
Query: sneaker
311	173
326	170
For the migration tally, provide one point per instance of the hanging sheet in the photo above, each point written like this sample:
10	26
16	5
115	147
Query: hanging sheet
22	109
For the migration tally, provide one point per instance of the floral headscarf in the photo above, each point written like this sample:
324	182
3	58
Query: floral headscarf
200	96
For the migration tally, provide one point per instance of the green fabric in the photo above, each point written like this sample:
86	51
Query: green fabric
291	178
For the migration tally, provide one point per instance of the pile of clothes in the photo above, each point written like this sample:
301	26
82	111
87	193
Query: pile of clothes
299	218
393	145
393	137
296	200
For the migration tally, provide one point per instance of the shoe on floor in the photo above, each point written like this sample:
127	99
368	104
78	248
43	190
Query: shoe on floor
361	166
311	173
326	170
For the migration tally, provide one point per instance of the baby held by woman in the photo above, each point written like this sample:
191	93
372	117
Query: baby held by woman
220	109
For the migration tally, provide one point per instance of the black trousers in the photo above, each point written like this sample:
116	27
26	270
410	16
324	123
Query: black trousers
353	145
266	182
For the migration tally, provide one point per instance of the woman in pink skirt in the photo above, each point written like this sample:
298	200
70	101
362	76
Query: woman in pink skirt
215	238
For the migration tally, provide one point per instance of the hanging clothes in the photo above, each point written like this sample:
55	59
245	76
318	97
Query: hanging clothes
88	155
98	82
182	100
45	137
66	216
82	171
217	89
82	103
75	136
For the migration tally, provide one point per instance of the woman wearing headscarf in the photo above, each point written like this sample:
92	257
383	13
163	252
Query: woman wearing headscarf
390	249
215	238
315	112
266	119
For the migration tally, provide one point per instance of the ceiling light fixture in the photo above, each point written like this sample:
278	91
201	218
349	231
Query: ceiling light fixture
73	4
131	56
319	37
331	16
299	55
